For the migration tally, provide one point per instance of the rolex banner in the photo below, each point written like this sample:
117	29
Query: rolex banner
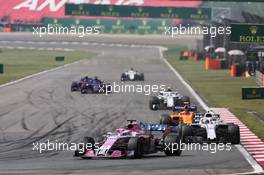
138	11
252	93
247	33
130	26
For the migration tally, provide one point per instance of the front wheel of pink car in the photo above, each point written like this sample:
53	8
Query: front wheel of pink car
135	144
172	145
86	142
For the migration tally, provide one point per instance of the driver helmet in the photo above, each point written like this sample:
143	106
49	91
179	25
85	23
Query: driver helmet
130	126
186	108
125	133
208	115
169	89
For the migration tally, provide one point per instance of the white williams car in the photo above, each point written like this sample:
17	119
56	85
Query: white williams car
209	127
168	100
132	75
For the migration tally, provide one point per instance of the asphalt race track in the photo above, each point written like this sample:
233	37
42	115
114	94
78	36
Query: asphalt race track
43	108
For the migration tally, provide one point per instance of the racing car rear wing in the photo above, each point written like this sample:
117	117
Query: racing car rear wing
198	116
181	108
154	127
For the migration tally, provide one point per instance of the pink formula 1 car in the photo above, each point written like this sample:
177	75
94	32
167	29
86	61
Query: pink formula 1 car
134	141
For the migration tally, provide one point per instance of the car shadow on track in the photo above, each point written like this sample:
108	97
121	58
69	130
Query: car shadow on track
145	157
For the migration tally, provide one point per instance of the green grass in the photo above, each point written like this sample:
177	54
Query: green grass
20	63
220	89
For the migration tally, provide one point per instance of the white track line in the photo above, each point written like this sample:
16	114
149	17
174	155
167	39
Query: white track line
190	89
257	168
37	74
56	68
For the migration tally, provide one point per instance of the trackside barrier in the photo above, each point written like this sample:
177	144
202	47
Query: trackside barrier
195	56
188	53
198	56
233	71
7	29
237	71
212	64
260	79
185	55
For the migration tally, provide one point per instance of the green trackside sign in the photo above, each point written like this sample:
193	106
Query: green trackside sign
252	93
138	11
59	58
1	68
247	33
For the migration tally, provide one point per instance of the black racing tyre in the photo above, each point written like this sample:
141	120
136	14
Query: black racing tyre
172	145
234	133
199	131
176	101
142	78
136	78
108	87
185	100
89	90
85	141
123	77
154	103
186	131
165	119
136	144
72	88
83	91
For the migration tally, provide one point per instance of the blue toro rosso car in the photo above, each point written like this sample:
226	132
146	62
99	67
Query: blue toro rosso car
91	85
76	85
